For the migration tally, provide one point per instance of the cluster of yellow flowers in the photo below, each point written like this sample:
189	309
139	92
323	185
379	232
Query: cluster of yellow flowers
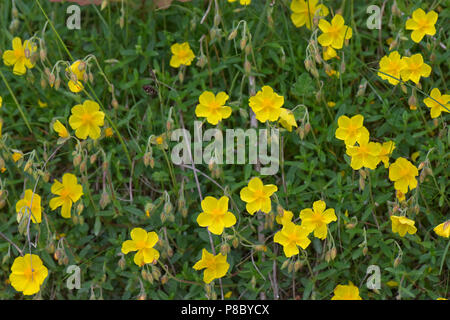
394	67
28	272
314	221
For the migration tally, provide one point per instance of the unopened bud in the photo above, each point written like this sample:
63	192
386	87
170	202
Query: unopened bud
224	249
365	251
243	43
235	243
114	103
232	35
247	67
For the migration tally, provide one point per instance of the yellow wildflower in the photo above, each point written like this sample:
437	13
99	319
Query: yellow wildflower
443	229
257	196
317	219
60	129
30	200
142	242
266	104
287	119
346	292
403	225
350	129
364	155
20	56
415	68
216	266
27	274
422	23
302	14
212	107
335	33
86	120
181	55
215	215
437	108
403	173
68	192
391	67
291	236
386	150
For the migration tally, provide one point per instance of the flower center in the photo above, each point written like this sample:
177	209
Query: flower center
87	118
183	54
141	244
65	193
29	273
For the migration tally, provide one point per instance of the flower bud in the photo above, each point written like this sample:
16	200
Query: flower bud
247	67
232	35
243	43
397	262
235	243
224	249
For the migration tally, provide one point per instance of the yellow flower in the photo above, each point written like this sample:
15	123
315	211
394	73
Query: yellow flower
17	156
291	236
60	129
212	107
86	120
335	33
331	104
441	298
422	23
257	196
364	155
350	129
30	200
285	218
328	53
109	132
391	67
182	55
76	74
437	108
415	155
42	104
443	229
304	15
68	192
242	2
400	195
216	266
332	72
403	225
415	68
1	101
346	292
287	119
266	104
19	56
317	218
403	173
386	151
142	242
27	274
215	215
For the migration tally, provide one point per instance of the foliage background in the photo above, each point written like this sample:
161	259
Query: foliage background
314	167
